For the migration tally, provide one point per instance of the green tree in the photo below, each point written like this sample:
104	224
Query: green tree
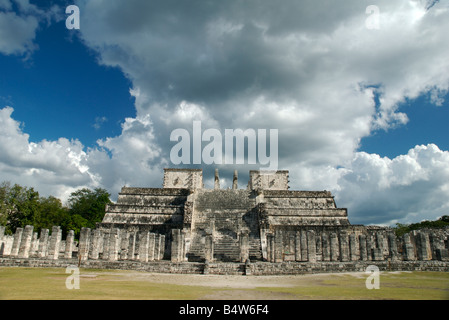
89	205
51	213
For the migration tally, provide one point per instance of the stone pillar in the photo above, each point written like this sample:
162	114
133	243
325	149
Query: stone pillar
124	243
69	244
2	232
409	250
55	242
363	253
16	243
209	247
217	180
144	238
326	247
298	246
162	247
379	247
132	246
83	247
311	246
153	246
244	245
176	250
303	241
43	243
34	245
234	181
392	246
353	247
95	244
422	244
344	246
369	247
334	252
25	243
270	247
278	246
114	244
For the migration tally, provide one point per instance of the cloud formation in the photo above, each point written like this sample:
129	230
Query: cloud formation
314	72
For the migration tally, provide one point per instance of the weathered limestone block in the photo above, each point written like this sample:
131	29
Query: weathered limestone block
270	247
209	247
363	249
25	243
311	246
161	246
326	247
344	246
69	244
152	246
55	242
34	244
83	250
176	246
298	245
144	239
244	245
353	252
409	250
43	243
114	244
423	246
124	243
334	252
16	243
278	246
96	242
2	232
132	246
392	246
303	245
370	246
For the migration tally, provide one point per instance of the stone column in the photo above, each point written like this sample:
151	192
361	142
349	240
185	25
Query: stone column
83	247
209	247
25	243
369	247
55	241
409	250
176	250
392	246
114	244
298	246
2	232
270	247
95	244
43	243
144	238
16	243
244	245
344	246
124	243
153	247
278	246
132	246
422	243
311	246
162	247
34	245
303	241
217	180
69	244
325	245
353	247
363	253
334	252
234	181
379	247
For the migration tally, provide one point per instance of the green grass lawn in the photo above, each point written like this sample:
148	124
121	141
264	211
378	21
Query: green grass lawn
50	284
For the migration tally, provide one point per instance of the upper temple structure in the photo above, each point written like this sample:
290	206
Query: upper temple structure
263	229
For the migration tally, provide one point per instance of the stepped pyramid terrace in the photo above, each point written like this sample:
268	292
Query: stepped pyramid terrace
263	229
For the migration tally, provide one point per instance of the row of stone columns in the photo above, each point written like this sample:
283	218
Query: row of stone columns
116	244
111	245
307	245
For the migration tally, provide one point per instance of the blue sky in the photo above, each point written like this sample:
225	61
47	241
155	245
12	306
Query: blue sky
95	107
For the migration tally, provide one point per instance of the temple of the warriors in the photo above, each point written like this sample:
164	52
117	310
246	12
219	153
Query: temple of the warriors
263	229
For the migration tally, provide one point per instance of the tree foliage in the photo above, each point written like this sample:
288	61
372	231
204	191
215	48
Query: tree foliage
21	206
402	229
